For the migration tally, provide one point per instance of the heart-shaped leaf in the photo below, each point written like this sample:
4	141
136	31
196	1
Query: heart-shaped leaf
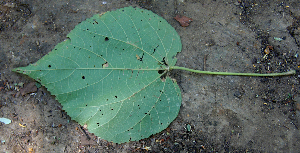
112	74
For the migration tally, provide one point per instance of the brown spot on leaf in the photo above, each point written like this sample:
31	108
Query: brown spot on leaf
183	20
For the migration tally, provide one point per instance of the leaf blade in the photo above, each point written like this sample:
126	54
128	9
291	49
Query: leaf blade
106	74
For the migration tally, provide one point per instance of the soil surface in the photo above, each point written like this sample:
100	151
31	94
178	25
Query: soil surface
225	113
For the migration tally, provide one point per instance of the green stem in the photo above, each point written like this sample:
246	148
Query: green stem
292	72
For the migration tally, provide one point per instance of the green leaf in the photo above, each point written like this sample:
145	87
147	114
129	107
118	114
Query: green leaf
112	74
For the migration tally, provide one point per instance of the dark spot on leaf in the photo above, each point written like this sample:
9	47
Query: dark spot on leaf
74	46
112	109
55	49
97	123
101	114
49	65
116	96
86	105
100	110
87	29
106	99
106	39
161	123
83	77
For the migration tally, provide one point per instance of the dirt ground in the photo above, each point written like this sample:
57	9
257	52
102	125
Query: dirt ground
226	113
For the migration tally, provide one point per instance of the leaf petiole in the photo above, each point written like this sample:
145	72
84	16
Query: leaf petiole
291	72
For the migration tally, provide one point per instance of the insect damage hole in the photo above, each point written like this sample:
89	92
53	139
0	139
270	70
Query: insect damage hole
83	77
104	65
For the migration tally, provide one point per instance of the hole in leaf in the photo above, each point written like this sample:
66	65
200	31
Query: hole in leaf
49	65
116	96
161	71
106	39
163	77
83	77
164	61
105	65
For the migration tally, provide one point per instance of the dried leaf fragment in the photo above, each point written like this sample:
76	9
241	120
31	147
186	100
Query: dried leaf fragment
29	88
183	20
